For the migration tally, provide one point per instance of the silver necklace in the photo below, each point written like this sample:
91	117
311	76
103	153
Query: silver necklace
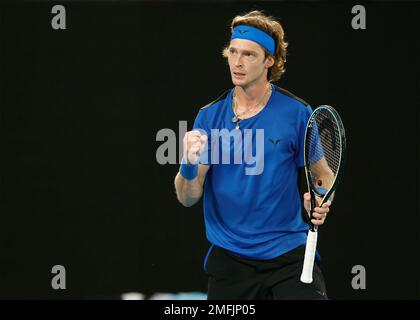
236	118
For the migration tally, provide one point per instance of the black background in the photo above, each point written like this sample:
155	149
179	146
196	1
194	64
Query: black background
81	107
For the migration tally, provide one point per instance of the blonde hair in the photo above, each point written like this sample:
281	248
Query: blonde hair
273	28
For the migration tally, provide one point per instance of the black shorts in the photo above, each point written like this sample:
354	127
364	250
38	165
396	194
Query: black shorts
233	277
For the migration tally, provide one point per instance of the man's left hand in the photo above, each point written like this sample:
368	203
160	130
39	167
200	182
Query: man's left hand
320	213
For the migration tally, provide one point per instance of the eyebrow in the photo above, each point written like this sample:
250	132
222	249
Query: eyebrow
246	51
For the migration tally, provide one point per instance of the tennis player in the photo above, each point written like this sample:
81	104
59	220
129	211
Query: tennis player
253	219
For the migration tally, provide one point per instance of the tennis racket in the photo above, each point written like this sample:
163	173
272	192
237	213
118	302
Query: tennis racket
325	146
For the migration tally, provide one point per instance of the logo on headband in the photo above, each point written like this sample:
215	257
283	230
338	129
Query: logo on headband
242	31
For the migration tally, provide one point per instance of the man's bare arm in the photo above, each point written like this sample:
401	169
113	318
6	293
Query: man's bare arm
189	192
189	181
323	173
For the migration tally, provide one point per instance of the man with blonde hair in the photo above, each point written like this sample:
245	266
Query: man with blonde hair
253	218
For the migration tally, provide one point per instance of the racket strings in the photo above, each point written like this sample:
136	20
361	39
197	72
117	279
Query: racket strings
323	148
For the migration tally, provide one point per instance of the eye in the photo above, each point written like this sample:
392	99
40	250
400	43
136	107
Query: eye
232	51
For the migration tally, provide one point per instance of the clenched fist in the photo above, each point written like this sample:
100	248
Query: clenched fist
194	143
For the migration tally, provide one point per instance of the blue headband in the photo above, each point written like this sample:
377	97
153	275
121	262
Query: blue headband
254	34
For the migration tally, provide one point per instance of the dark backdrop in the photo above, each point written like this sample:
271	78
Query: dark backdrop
80	109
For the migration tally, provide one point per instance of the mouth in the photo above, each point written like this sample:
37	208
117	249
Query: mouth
238	74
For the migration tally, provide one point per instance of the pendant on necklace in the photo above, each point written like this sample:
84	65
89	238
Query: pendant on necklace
235	119
237	126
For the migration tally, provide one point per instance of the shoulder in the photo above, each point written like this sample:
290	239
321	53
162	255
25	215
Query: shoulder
291	98
207	114
218	101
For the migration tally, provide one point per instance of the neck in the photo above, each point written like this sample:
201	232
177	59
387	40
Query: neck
251	95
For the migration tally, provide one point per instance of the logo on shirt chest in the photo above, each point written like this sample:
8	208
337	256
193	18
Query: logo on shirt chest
274	140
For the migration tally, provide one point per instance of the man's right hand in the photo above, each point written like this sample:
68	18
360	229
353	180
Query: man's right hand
194	143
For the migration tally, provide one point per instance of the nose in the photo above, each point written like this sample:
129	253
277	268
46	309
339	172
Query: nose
238	61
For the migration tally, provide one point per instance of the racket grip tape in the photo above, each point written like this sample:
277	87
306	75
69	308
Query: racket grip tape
308	263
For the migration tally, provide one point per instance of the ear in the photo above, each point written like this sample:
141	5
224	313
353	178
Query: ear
269	62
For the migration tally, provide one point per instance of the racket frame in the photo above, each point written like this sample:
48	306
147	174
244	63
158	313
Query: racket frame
310	249
338	176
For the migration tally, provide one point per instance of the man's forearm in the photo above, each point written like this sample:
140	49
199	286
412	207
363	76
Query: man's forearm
327	180
188	191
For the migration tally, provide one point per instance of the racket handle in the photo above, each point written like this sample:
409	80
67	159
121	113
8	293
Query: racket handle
308	263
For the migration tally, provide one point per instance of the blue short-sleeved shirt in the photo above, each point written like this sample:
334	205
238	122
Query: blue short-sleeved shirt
252	206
